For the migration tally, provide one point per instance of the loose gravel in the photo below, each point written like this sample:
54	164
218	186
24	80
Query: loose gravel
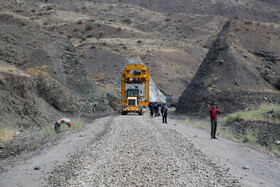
136	151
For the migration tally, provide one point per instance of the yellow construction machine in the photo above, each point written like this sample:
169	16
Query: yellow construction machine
135	89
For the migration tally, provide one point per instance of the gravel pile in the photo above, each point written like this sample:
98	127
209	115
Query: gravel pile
136	151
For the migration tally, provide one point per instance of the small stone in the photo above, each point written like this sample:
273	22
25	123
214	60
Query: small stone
37	167
277	142
195	136
236	83
81	135
175	124
245	167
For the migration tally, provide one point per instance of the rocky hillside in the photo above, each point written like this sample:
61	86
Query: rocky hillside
241	70
52	62
74	51
20	104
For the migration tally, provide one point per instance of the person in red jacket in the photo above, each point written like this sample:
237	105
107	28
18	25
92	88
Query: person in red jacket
214	111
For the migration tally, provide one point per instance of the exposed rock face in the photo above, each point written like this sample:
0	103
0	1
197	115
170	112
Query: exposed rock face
52	61
20	104
241	69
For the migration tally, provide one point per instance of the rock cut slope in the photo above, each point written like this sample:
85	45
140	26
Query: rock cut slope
52	62
20	104
242	68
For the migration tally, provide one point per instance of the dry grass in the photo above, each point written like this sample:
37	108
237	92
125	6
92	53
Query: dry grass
48	131
254	115
78	124
38	70
250	136
6	134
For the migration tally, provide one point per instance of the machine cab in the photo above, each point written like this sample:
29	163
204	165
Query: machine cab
133	93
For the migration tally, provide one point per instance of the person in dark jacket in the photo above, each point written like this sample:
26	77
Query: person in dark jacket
156	110
151	107
164	113
214	111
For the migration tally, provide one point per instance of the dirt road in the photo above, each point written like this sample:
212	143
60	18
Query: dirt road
135	150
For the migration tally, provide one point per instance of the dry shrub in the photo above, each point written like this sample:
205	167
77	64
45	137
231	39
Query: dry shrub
6	134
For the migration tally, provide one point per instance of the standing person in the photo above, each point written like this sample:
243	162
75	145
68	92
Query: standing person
60	122
156	109
214	111
151	106
164	113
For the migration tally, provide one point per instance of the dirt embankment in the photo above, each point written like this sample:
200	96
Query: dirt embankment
21	109
51	60
20	105
240	70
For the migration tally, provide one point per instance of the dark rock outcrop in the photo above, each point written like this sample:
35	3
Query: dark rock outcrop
241	69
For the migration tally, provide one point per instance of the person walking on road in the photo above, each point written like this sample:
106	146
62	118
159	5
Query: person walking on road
60	122
214	111
164	113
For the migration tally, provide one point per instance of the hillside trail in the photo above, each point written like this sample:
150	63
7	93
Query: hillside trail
137	150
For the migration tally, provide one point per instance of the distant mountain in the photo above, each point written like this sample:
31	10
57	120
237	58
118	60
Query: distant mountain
259	10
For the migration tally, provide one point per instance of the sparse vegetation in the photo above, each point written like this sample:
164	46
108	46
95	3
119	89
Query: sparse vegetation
49	7
22	23
125	47
249	137
33	146
127	20
79	22
69	35
6	134
48	131
248	22
61	32
83	38
33	10
101	34
78	124
88	27
119	28
178	28
19	10
277	112
253	115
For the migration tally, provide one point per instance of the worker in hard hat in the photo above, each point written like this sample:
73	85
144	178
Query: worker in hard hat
60	122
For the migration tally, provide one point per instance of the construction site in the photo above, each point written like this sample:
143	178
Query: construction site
139	93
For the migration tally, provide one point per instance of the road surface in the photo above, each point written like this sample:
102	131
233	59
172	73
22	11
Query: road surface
135	150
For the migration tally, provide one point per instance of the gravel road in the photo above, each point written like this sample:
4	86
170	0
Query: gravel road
136	151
